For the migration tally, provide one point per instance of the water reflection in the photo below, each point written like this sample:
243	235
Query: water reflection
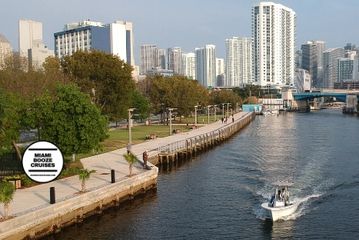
279	229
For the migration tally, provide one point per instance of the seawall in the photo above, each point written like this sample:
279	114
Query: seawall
52	218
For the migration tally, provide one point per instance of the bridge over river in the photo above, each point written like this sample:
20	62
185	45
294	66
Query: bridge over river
300	101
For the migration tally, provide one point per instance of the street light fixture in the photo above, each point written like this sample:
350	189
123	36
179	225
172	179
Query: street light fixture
170	116
130	110
208	107
223	104
227	109
215	112
195	115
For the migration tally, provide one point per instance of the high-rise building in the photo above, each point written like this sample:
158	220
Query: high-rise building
129	42
298	59
38	54
312	60
302	80
330	62
273	33
189	65
174	57
238	61
348	67
115	38
31	44
30	32
160	58
219	66
149	58
206	65
5	49
220	72
350	47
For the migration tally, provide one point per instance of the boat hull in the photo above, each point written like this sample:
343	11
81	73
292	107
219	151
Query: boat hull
276	213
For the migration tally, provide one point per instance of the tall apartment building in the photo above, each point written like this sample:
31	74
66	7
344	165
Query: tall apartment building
302	80
174	60
148	58
220	72
189	65
348	67
160	58
330	62
130	57
219	66
206	65
238	61
5	49
30	32
38	54
115	38
312	60
273	34
31	44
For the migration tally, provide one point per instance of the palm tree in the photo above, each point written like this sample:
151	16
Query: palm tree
84	175
7	191
131	159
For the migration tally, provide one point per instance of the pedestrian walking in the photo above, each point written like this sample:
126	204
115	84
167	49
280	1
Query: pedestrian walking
222	119
145	159
128	148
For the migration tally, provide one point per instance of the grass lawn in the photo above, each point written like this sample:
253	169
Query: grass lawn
202	119
118	138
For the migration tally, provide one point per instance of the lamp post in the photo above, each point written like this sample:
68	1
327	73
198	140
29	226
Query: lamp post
223	109
195	115
227	109
170	116
130	110
215	112
208	107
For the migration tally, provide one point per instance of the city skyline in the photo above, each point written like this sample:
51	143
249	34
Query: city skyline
154	22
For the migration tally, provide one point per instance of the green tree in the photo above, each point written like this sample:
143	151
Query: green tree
225	96
84	175
141	103
69	120
131	159
177	91
10	111
7	191
38	112
15	79
105	77
248	91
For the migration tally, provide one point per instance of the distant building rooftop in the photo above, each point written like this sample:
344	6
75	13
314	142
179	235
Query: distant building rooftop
86	23
3	38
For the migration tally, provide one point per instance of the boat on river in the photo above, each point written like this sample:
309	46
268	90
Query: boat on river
280	205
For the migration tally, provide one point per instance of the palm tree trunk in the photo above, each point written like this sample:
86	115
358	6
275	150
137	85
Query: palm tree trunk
83	186
6	210
130	170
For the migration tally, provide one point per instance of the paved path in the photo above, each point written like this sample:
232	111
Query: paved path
30	199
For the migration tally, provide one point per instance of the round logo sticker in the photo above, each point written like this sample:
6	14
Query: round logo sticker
42	161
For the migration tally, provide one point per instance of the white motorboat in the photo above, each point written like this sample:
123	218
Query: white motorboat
280	206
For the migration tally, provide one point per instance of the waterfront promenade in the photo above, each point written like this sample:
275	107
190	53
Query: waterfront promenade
29	201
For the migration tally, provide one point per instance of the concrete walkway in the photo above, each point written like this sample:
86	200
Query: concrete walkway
37	197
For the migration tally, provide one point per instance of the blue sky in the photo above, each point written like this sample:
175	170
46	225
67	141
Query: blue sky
185	23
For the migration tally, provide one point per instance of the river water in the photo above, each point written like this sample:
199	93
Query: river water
218	194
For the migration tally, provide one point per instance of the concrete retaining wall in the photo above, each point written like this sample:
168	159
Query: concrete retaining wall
52	218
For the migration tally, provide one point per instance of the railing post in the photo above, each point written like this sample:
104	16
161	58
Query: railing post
52	195
113	176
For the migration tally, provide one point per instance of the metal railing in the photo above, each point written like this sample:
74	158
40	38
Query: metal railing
191	141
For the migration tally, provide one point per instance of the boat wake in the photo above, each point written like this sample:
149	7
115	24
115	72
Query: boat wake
303	207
